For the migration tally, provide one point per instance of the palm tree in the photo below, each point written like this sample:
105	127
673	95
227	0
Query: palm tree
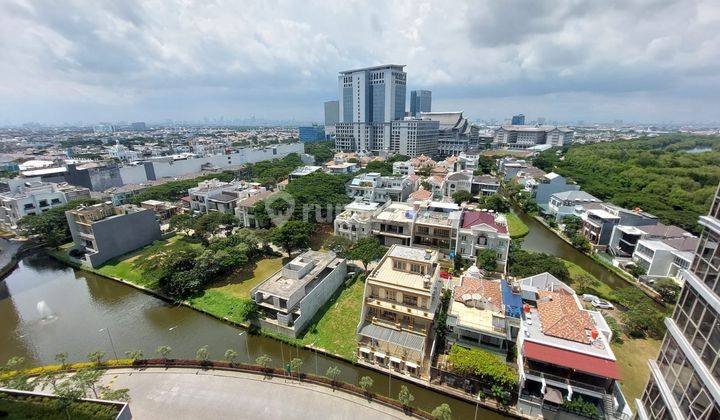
405	397
134	355
295	365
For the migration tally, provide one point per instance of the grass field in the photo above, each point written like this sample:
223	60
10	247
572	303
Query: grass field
516	227
632	356
599	288
239	283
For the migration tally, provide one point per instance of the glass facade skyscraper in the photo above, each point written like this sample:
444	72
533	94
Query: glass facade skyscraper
420	101
684	380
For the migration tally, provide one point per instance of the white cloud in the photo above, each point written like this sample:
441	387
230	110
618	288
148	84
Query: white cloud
190	59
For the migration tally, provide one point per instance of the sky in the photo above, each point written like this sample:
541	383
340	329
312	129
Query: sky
568	60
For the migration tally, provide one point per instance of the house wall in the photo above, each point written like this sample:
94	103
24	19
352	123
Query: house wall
544	191
116	236
319	295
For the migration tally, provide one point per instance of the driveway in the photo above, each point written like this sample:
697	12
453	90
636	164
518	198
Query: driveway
177	393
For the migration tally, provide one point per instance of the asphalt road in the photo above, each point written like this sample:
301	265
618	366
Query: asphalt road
192	394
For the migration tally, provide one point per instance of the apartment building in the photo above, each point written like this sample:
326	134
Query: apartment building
373	187
356	221
665	257
483	313
216	195
414	136
456	134
399	303
290	298
102	232
520	137
480	230
564	352
21	197
684	380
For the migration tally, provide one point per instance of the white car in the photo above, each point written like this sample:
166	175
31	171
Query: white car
589	298
602	304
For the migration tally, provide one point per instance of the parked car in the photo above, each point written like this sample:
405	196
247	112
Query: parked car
602	304
589	298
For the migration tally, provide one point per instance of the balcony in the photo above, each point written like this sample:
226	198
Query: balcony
596	385
400	326
399	307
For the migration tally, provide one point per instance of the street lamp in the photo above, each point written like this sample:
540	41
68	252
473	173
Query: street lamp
107	330
477	404
316	357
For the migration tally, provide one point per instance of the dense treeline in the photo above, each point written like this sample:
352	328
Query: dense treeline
268	172
172	191
322	150
671	176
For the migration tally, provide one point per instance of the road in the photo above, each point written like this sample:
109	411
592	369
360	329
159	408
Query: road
178	393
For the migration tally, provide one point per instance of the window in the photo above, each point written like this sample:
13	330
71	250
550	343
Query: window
398	265
410	300
416	268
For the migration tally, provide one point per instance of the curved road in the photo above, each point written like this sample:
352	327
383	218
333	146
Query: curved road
177	393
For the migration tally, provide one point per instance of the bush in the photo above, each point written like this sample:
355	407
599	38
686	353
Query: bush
668	289
487	259
483	365
580	406
524	264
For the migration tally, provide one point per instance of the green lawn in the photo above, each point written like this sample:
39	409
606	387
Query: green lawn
516	227
239	283
632	357
599	288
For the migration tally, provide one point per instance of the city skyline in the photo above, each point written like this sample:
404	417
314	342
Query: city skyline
564	61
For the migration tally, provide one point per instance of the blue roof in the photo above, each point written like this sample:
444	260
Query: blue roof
512	301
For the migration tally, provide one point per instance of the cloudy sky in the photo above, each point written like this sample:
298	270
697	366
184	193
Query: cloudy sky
636	60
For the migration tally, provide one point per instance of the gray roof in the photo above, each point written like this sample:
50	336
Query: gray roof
388	335
380	67
408	253
575	196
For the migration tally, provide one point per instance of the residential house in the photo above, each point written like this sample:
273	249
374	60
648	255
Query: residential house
303	171
665	257
458	181
291	297
102	231
624	238
484	185
599	223
564	352
215	195
356	221
373	187
483	313
483	230
163	210
343	168
403	168
243	207
399	302
563	204
436	226
21	197
393	223
549	184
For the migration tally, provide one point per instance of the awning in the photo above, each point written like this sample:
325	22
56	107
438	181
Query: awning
581	362
411	365
380	355
553	395
400	338
395	359
364	350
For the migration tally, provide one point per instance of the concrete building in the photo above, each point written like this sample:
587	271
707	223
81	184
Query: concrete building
399	302
413	137
290	298
599	224
483	313
393	224
332	117
563	204
420	101
456	134
519	137
625	238
356	221
21	197
311	133
564	352
518	119
303	171
684	380
665	257
484	185
96	176
215	195
480	230
103	231
163	210
548	185
436	226
370	98
373	187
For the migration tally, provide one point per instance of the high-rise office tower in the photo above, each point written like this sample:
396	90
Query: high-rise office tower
332	112
684	380
420	101
518	119
370	99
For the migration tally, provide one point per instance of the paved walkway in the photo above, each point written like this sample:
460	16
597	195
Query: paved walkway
176	393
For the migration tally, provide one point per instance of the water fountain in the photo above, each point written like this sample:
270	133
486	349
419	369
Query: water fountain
44	310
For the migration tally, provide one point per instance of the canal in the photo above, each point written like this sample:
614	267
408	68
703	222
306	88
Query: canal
47	308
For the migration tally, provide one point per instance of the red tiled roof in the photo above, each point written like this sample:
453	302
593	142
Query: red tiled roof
560	316
421	194
486	288
472	218
570	359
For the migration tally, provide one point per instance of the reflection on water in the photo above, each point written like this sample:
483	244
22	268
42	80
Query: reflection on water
84	306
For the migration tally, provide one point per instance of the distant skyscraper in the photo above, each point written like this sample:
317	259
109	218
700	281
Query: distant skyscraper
518	119
420	101
332	112
311	133
684	380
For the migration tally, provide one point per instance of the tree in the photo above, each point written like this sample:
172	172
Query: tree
62	359
638	271
405	397
668	289
442	412
487	259
262	220
367	250
333	373
87	379
202	353
583	283
572	225
366	383
264	361
51	225
497	203
643	320
12	377
248	310
295	365
164	351
96	357
230	356
120	394
134	355
292	235
523	264
580	242
462	196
